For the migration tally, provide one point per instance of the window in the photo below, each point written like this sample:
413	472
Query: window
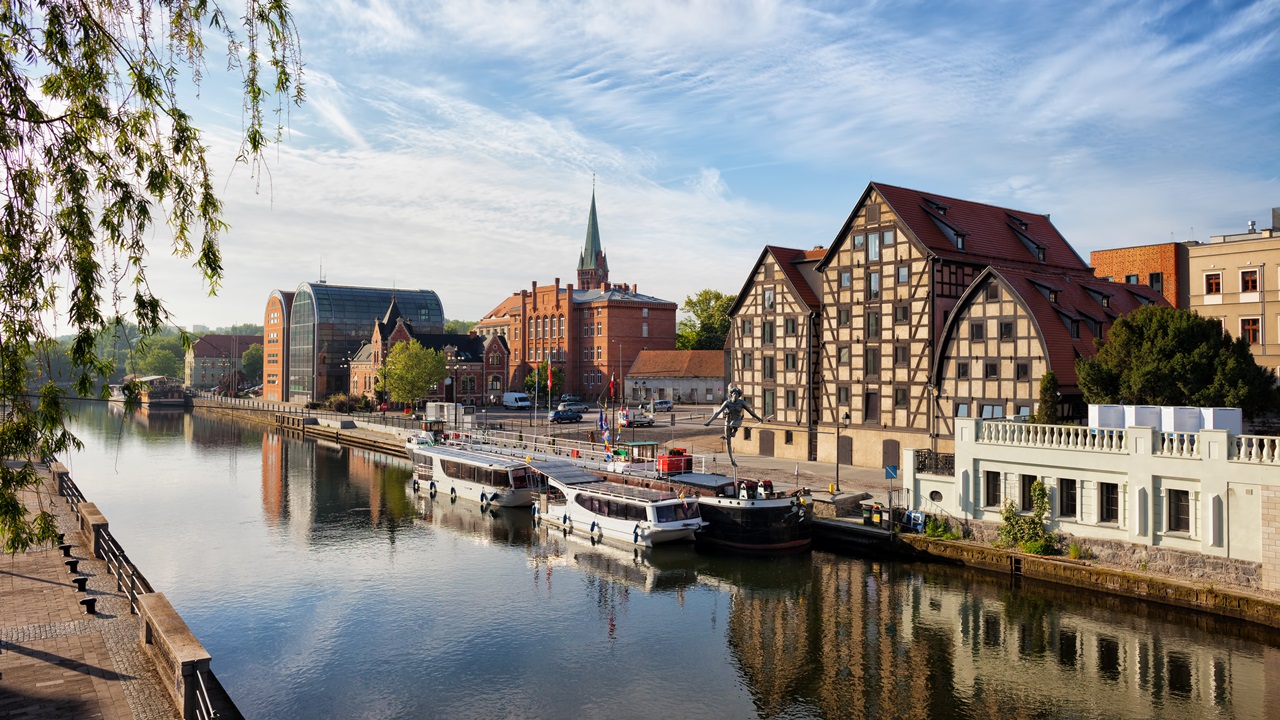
1156	281
768	272
1250	330
748	361
790	325
900	397
992	412
859	241
599	328
977	331
873	246
962	369
789	361
901	314
768	298
1108	503
1075	329
1066	497
871	408
1131	279
644	329
873	323
644	312
842	395
962	409
1023	371
1248	281
842	316
993	291
1213	284
901	354
873	284
766	364
746	327
846	278
1006	330
843	356
887	238
991	493
1106	301
1053	296
904	274
770	403
873	362
786	438
1027	482
791	399
990	370
1179	511
766	333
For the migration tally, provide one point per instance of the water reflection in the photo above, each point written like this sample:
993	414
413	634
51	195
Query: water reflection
310	611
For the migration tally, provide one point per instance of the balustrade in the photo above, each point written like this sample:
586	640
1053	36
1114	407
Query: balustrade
1257	449
1063	437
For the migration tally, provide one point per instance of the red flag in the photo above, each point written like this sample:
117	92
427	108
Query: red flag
549	376
610	385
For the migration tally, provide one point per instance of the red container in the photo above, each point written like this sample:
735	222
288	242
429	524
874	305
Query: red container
675	464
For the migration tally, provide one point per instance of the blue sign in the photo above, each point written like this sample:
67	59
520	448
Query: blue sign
890	472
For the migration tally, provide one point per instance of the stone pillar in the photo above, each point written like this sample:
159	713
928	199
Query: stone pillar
90	521
176	652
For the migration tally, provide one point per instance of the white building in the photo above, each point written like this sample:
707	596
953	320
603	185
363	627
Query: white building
1136	490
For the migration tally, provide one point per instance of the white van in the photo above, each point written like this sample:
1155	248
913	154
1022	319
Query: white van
516	401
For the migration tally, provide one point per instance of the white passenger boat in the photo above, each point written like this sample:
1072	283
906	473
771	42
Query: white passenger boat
455	473
583	503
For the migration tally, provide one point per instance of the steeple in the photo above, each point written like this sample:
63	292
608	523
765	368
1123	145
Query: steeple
593	267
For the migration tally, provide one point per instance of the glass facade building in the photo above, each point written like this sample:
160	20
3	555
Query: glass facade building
328	323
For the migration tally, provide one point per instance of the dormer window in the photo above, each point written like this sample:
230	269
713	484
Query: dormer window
959	241
1106	301
1053	296
1040	254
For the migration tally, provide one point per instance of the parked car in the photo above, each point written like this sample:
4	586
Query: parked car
569	398
663	406
564	416
574	407
636	420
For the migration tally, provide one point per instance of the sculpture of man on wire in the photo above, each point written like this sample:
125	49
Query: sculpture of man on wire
732	409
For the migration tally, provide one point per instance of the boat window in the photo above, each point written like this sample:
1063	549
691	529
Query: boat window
519	478
687	510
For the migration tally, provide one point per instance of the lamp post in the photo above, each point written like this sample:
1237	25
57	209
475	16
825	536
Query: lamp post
840	426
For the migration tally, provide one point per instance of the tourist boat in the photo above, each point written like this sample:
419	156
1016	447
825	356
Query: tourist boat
154	391
480	477
584	503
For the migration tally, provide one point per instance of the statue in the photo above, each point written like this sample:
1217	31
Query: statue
732	409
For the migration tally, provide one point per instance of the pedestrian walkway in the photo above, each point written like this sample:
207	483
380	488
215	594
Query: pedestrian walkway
56	661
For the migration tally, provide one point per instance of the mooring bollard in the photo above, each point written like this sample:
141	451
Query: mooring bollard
90	605
80	582
72	565
66	549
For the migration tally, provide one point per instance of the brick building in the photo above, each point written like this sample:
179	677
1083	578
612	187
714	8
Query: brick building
470	359
275	346
591	332
214	357
1161	267
871	347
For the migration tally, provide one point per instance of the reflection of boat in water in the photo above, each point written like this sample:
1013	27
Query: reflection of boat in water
478	477
651	569
584	503
153	391
496	525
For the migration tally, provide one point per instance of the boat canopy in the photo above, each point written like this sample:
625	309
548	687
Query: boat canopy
469	457
566	473
702	480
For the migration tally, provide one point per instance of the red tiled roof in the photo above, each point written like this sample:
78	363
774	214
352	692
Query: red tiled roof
787	259
504	309
678	363
223	345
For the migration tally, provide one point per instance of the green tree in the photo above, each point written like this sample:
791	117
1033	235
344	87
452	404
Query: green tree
97	151
1158	355
458	327
251	361
1047	414
241	329
411	371
706	322
157	360
1027	532
538	379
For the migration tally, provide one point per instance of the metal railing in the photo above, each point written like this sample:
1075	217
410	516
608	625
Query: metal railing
129	579
935	463
542	447
204	708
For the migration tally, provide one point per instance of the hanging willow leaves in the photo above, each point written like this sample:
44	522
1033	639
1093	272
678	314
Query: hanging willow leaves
99	158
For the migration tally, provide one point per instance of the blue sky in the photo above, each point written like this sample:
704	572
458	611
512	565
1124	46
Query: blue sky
451	145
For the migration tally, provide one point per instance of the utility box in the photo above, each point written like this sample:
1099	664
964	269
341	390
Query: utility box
1180	419
1229	419
1142	416
1106	416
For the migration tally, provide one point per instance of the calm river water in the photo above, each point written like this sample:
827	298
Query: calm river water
324	589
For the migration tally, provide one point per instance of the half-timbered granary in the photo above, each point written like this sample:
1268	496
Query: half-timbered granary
893	303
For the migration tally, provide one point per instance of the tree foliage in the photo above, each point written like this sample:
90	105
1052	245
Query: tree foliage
410	372
251	361
1027	532
538	379
458	327
1159	355
98	152
706	322
1047	414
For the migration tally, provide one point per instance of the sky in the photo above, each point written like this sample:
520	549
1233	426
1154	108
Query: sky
454	145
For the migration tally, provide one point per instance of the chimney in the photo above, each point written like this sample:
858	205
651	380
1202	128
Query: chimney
534	293
1275	218
1253	226
557	292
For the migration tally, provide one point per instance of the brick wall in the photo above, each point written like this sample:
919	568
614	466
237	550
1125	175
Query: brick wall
1120	263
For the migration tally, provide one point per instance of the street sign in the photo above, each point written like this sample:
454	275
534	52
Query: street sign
890	472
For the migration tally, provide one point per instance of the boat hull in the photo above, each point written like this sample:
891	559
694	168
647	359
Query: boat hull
580	521
474	492
773	525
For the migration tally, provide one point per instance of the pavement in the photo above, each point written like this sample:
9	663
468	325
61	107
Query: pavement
56	661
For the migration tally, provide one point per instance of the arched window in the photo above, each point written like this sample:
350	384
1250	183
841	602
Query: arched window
531	326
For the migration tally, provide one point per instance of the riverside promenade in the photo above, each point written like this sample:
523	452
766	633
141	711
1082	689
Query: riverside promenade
55	660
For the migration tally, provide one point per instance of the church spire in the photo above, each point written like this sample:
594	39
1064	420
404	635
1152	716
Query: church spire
593	267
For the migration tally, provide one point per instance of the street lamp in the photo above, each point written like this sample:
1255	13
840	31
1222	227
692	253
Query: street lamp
840	426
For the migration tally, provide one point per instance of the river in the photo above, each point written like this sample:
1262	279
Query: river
324	588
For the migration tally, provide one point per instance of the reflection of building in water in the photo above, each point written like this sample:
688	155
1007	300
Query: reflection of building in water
865	640
274	492
162	420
